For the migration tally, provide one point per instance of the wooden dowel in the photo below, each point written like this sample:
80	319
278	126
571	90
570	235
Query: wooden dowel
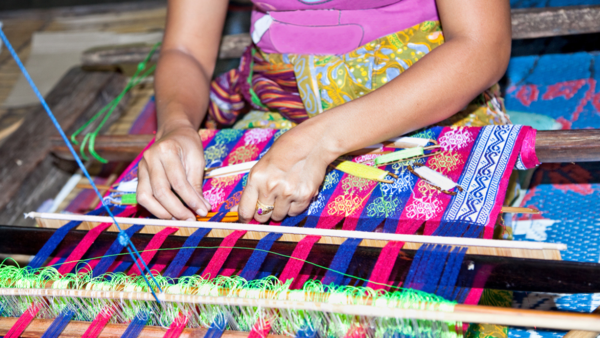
584	334
476	242
519	210
38	327
464	313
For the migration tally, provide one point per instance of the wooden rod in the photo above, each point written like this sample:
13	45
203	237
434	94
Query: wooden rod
459	241
551	146
38	327
464	313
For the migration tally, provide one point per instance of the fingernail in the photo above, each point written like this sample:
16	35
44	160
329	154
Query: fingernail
201	212
173	218
190	220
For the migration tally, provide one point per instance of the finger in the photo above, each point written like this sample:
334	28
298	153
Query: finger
144	194
194	165
247	206
161	189
282	208
296	208
179	181
267	201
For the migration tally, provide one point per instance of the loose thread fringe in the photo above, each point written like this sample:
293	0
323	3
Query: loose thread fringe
239	318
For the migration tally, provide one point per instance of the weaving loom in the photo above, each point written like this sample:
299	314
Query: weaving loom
386	257
243	280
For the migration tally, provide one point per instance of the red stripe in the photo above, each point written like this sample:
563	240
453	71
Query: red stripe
150	250
21	324
177	326
82	248
99	323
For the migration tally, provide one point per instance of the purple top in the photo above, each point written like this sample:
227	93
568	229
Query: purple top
332	26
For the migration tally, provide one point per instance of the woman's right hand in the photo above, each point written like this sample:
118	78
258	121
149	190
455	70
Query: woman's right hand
175	161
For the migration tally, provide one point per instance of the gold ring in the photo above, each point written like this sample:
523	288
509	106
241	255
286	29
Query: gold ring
263	209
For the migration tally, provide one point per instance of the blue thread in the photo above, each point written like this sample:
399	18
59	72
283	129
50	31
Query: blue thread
115	248
258	256
448	281
217	327
137	324
306	332
184	255
78	160
56	238
343	257
59	324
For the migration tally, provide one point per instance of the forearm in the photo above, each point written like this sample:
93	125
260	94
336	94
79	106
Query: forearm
182	90
433	89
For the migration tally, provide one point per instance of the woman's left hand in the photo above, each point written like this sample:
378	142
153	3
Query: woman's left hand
288	176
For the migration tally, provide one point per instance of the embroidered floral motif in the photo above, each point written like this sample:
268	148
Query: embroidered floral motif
215	153
317	203
215	197
206	134
352	184
233	200
224	181
228	135
331	179
455	139
244	180
381	207
423	208
445	162
243	154
403	183
344	205
257	135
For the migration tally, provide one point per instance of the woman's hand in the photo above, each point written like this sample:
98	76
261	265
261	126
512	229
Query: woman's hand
288	176
175	161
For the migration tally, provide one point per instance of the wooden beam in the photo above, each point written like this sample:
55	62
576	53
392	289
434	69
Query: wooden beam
26	166
527	23
552	146
38	327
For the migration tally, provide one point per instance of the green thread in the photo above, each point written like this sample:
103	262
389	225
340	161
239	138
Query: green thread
90	138
241	318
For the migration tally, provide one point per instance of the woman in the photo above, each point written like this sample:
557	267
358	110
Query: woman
363	37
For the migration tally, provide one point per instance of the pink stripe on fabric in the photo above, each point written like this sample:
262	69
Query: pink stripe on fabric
99	323
296	261
478	285
218	259
82	248
356	332
489	227
260	329
528	155
21	324
151	249
92	264
384	265
177	326
388	255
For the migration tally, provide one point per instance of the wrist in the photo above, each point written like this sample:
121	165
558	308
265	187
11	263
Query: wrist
173	124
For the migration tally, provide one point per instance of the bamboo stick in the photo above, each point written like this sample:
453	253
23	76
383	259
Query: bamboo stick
463	313
584	334
308	231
